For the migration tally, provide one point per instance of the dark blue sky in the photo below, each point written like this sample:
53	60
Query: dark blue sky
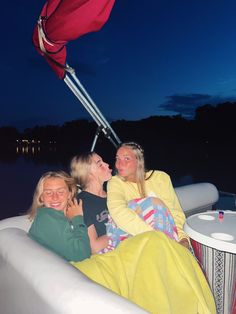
156	57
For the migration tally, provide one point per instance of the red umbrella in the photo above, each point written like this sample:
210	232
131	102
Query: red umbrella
63	20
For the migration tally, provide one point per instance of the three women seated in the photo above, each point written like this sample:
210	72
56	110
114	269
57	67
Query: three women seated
150	267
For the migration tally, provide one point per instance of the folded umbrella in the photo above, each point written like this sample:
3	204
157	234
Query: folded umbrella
61	21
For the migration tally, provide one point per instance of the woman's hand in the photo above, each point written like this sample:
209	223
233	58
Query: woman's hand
185	243
74	209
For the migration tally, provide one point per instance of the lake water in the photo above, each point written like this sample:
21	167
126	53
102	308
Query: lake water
20	172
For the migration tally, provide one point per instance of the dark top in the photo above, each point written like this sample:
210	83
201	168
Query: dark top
68	238
95	211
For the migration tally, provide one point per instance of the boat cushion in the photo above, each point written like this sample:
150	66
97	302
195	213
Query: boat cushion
35	280
197	197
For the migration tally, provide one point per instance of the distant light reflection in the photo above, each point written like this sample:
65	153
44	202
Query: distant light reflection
25	150
32	146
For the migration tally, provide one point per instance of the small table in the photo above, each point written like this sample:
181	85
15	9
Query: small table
213	238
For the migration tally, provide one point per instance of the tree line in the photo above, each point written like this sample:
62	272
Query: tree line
211	126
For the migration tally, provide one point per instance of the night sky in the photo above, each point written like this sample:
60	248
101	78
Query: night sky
157	57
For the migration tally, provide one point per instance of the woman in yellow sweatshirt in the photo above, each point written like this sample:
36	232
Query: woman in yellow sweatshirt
133	182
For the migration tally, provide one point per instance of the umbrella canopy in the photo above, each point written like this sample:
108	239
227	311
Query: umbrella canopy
63	20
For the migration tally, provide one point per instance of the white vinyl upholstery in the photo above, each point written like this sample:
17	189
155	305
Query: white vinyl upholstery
34	280
197	197
21	222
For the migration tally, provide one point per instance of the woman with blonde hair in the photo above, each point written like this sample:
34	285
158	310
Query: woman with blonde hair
91	172
133	184
58	218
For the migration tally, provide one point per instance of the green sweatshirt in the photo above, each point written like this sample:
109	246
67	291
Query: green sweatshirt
67	238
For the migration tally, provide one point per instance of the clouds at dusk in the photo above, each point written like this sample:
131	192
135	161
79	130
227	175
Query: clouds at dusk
167	58
188	103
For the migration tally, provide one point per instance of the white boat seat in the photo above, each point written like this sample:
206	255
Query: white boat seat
196	198
35	280
21	222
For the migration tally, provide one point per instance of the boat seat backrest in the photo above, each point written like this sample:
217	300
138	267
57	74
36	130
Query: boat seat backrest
197	197
36	280
21	222
193	198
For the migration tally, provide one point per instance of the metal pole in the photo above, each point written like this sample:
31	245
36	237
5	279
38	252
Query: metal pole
79	91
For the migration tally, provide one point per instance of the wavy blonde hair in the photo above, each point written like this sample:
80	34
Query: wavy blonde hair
140	174
37	202
80	168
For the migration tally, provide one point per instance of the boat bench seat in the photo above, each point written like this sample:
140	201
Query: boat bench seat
35	280
196	198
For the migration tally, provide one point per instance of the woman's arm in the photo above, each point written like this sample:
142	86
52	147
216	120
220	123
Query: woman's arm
68	238
125	218
97	243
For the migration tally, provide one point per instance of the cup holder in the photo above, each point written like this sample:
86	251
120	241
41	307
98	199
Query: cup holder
222	236
206	217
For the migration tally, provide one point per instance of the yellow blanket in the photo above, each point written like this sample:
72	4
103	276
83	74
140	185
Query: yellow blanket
154	272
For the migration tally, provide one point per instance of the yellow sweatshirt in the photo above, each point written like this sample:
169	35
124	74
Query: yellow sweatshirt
120	192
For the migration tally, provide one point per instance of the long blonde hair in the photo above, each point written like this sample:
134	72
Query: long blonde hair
37	202
80	168
141	170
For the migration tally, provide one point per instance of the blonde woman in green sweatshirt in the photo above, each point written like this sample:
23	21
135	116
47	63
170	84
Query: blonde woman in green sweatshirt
57	217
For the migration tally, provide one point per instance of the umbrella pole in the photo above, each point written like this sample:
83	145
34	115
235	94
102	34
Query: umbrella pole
99	129
105	122
79	91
